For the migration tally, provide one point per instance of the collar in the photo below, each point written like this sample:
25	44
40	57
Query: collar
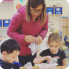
38	20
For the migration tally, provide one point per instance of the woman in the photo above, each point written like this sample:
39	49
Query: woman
28	22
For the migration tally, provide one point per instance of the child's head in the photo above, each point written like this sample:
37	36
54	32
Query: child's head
10	49
54	42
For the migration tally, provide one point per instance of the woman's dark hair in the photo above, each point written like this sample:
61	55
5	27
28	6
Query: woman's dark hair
35	4
9	46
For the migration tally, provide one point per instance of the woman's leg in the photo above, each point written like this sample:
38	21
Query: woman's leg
23	60
31	58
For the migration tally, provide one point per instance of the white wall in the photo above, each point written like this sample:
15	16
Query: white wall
18	2
7	9
6	12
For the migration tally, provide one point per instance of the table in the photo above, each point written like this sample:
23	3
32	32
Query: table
36	67
1	38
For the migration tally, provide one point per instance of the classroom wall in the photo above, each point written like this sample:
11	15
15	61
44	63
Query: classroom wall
7	9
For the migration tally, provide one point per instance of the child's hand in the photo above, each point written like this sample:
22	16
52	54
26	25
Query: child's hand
49	58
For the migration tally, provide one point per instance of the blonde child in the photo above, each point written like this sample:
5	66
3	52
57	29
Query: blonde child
10	50
54	42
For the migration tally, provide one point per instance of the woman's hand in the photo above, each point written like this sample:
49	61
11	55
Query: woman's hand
49	58
29	38
39	40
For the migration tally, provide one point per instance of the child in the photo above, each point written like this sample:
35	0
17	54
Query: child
10	50
54	42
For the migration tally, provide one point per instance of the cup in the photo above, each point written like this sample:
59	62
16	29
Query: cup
28	65
43	66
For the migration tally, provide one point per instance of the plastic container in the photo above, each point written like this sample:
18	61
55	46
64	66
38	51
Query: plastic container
50	12
43	66
28	65
6	23
48	66
0	23
58	9
58	12
49	8
53	66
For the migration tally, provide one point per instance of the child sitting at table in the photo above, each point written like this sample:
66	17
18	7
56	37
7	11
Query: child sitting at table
54	42
10	50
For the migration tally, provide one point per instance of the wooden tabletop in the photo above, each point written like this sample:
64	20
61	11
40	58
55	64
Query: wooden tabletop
36	67
1	38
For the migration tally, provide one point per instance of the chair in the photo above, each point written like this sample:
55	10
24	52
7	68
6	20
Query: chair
66	43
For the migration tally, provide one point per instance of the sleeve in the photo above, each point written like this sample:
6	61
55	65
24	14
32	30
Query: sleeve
63	55
16	65
3	67
43	53
14	26
44	30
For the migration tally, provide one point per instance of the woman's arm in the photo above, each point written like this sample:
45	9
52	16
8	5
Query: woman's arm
14	26
64	62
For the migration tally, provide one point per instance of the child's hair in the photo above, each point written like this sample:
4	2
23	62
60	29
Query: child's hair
9	46
55	37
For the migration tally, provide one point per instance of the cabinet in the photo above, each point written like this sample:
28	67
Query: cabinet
4	23
54	10
65	27
7	7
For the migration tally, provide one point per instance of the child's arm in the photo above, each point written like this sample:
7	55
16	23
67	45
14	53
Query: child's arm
64	62
40	59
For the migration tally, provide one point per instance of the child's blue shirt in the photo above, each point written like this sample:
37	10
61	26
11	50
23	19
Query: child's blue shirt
6	65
